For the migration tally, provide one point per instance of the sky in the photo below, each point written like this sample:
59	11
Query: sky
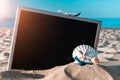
88	8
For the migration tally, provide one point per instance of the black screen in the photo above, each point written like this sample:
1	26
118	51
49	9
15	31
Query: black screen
44	41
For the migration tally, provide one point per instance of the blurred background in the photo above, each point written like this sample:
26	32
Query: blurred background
106	11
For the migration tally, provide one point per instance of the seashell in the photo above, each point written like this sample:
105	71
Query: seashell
84	53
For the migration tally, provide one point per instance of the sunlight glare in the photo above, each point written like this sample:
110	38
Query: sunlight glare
4	8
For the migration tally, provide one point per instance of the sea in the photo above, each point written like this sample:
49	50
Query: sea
105	22
109	22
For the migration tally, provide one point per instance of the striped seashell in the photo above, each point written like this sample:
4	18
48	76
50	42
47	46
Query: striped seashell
86	51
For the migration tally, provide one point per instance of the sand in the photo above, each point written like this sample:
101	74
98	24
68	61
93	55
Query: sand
108	69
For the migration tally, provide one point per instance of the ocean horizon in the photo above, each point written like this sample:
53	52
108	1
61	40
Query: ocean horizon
109	22
105	22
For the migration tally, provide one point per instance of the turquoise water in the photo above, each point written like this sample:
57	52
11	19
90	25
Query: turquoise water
109	22
7	23
106	22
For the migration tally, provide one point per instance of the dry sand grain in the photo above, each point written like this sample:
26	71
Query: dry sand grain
109	55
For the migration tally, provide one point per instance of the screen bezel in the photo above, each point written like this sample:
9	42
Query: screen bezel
20	8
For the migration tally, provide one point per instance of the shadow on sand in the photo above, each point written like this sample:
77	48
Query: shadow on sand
19	75
114	71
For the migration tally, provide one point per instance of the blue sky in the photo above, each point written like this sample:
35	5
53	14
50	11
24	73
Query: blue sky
89	8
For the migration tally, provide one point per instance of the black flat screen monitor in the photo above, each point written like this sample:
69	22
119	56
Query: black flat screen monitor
43	40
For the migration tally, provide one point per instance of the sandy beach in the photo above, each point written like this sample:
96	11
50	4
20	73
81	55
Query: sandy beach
108	69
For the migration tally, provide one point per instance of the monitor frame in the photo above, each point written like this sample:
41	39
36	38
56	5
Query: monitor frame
18	12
